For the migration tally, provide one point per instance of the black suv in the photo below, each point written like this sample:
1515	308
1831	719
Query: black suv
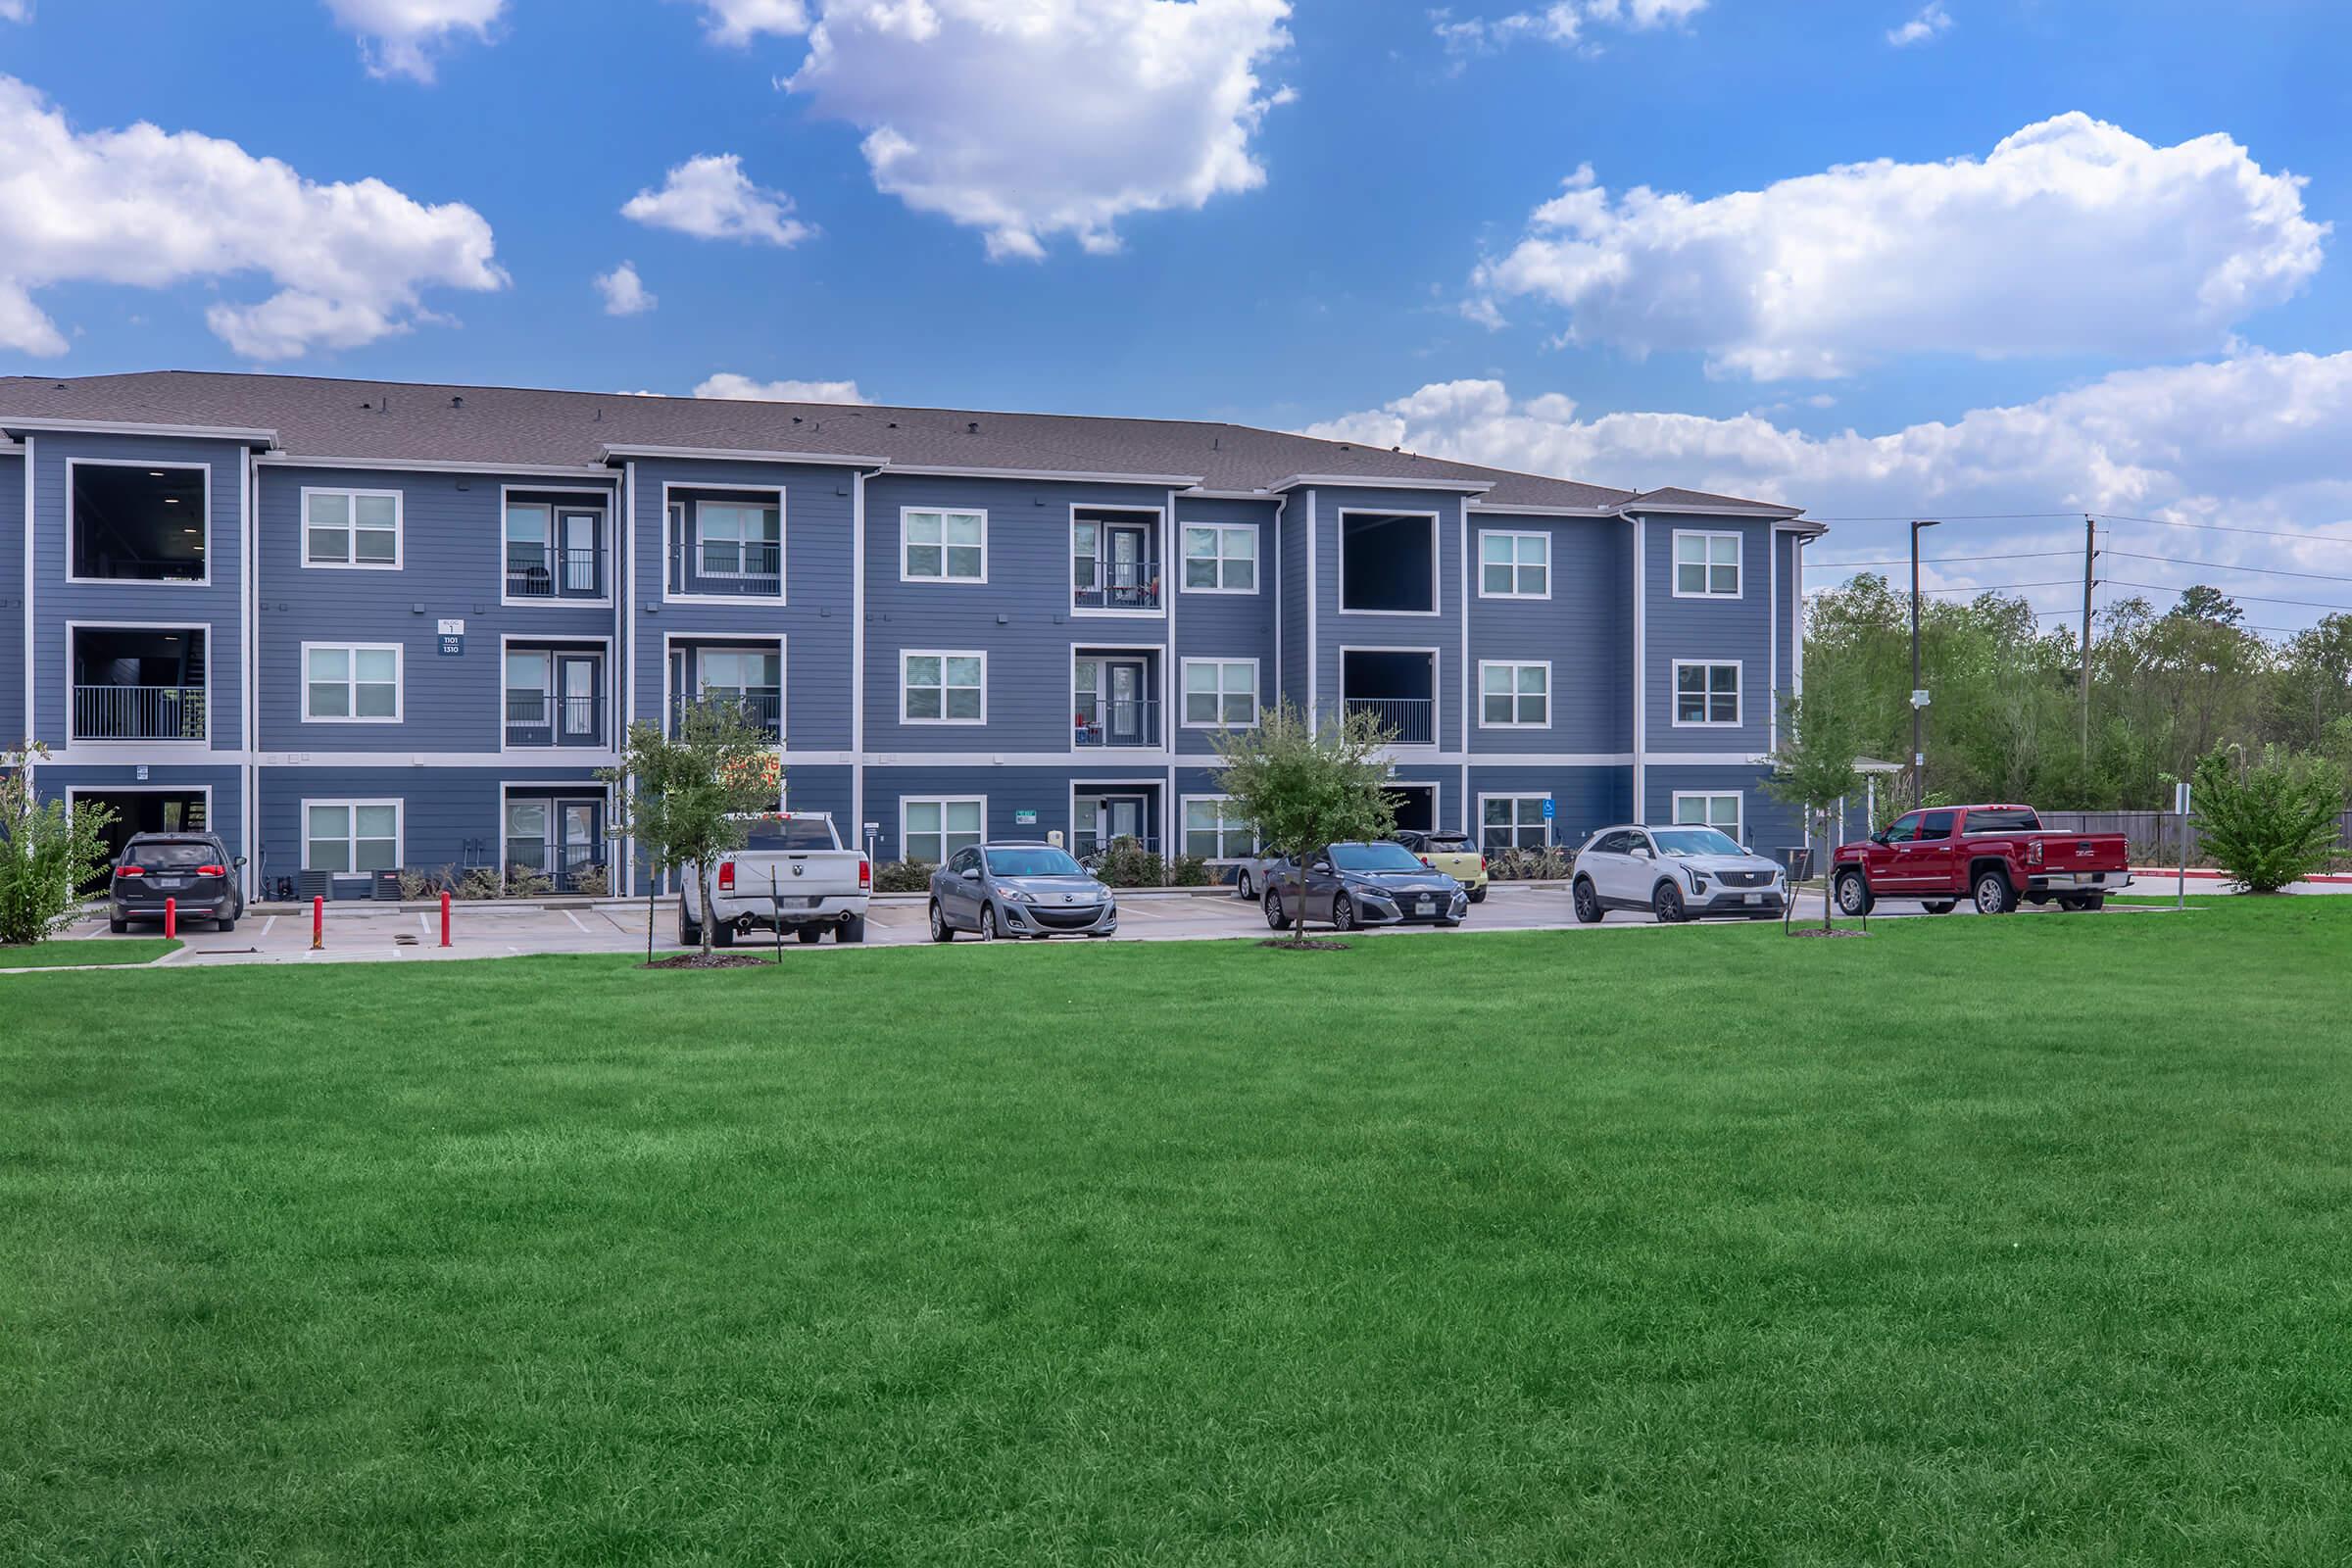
192	869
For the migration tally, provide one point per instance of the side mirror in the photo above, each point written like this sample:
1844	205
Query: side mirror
238	862
1879	838
1640	851
971	874
1320	865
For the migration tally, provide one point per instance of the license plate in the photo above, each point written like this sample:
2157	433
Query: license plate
171	882
1424	904
1755	898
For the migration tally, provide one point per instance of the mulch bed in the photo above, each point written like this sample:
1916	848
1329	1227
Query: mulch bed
1286	945
1816	931
716	960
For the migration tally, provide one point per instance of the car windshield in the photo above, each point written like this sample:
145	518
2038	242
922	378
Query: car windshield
1374	857
169	854
771	833
1446	844
1694	841
1042	860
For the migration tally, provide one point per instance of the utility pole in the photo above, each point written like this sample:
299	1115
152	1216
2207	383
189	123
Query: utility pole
1919	695
2090	555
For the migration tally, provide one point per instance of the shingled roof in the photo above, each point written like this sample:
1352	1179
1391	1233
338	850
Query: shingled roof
319	416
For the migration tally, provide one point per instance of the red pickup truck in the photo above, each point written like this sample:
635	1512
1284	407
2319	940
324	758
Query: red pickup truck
1996	856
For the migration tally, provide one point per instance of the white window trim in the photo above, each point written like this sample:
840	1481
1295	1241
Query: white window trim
943	802
1480	562
606	504
400	682
1513	664
669	644
1739	798
204	742
1673	562
1257	567
352	562
943	579
205	468
1437	690
400	830
554	645
942	654
1160	545
1551	827
1436	566
1674	690
687	518
1184	693
1184	805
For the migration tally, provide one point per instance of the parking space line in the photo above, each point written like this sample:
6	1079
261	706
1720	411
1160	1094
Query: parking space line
575	920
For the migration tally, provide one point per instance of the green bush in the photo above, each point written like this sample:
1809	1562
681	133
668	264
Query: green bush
2274	822
1551	864
46	853
1128	864
1189	871
592	882
904	876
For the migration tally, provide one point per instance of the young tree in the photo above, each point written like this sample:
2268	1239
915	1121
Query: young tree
1813	770
2278	819
1306	784
679	792
46	853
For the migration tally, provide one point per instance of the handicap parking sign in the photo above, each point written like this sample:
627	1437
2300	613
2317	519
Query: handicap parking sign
1547	808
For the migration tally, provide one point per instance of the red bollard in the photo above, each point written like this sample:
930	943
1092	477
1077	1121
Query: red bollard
170	918
445	920
318	924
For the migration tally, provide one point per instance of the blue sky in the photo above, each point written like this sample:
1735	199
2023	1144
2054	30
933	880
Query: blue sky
1349	246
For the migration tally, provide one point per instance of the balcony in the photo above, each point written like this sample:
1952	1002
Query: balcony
1398	687
138	714
132	684
536	719
139	524
1115	584
542	572
727	568
1115	565
1106	721
764	708
1413	720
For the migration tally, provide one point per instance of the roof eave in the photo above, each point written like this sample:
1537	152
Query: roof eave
1367	482
203	432
564	471
612	450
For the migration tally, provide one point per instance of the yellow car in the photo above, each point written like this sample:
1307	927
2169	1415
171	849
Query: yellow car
1452	854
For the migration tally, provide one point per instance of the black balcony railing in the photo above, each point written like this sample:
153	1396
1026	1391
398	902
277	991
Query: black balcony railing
765	709
138	714
1115	584
1413	718
1115	721
539	571
536	719
726	567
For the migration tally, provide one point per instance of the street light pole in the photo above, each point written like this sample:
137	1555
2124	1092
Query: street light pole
1919	704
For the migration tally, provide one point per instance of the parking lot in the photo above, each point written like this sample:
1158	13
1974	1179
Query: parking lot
389	933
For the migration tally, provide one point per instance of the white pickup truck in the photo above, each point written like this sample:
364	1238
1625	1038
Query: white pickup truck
791	874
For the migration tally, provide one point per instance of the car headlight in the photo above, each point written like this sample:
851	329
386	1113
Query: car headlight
1698	882
1014	894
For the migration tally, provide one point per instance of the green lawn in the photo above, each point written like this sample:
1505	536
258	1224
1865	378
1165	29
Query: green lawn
71	950
1977	1242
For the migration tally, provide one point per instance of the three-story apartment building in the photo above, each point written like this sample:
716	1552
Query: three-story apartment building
355	626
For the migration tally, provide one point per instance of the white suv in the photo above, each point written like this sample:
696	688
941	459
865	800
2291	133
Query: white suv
1676	873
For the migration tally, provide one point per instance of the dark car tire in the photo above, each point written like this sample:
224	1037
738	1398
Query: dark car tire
1276	919
941	931
723	936
1243	887
1478	894
1586	901
2086	904
989	929
809	935
227	922
1993	894
1939	907
1666	903
690	935
1343	914
1449	925
1854	897
116	924
850	930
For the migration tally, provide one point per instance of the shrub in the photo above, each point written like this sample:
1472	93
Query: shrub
1550	864
1128	864
482	882
418	883
2274	823
592	882
46	853
904	876
525	883
1189	871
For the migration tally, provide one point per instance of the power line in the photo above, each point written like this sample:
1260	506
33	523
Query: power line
1986	588
1927	560
1952	517
2301	603
2222	565
2219	528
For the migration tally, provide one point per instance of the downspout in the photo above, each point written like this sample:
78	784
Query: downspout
1281	506
1171	575
1461	521
856	833
624	594
31	686
1641	809
1313	652
250	504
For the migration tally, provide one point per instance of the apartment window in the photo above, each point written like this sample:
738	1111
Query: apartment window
1514	696
942	688
1706	566
1212	831
1220	692
351	528
943	546
934	829
1706	694
738	539
1513	822
1515	566
352	837
1220	558
1693	809
351	684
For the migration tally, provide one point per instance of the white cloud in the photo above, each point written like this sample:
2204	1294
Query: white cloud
1560	22
742	388
711	198
624	291
149	209
1922	27
16	9
738	22
2254	442
397	37
2073	238
1033	119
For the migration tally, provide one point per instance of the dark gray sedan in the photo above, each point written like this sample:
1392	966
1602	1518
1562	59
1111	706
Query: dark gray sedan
1353	885
1019	890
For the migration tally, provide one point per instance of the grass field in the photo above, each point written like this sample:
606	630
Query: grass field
74	950
1978	1242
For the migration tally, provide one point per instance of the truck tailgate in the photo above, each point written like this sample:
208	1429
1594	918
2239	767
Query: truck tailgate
2080	852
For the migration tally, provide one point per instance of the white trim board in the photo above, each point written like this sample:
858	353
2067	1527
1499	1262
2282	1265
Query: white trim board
150	464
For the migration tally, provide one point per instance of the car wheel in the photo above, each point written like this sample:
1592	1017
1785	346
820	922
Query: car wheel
1854	897
1587	903
690	935
941	931
1993	894
227	922
1243	887
1276	920
1938	908
1478	894
723	936
1343	914
116	924
989	931
1666	903
852	929
1449	925
2082	903
809	935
